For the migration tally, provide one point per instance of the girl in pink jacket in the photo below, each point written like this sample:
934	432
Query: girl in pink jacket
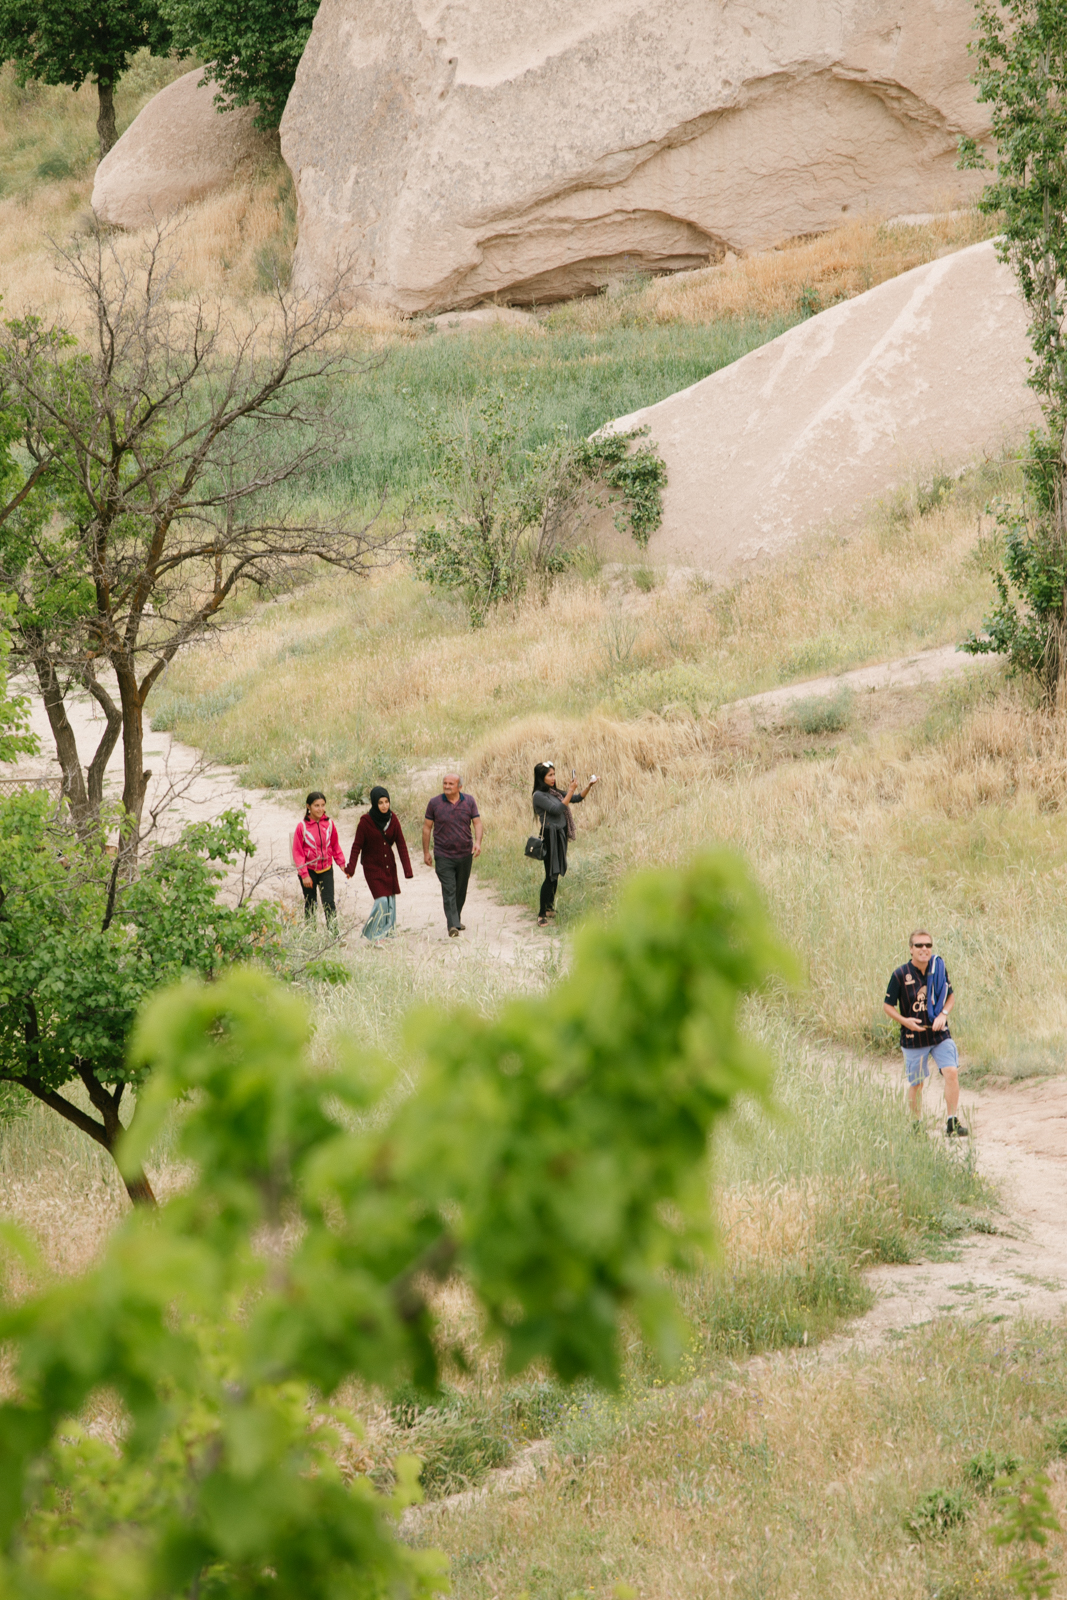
315	849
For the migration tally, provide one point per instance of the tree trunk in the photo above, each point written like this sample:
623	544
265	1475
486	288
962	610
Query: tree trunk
105	1133
98	766
106	131
134	777
65	742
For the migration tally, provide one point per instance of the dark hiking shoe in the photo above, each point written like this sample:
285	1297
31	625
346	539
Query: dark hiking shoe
463	927
954	1129
453	933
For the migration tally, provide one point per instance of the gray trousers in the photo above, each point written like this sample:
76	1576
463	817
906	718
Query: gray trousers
454	873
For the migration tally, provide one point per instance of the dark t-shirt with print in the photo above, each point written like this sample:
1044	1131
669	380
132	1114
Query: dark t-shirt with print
907	991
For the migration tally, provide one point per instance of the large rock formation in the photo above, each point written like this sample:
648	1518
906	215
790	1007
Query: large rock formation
445	153
927	373
177	150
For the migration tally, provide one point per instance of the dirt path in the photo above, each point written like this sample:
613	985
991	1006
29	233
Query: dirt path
1020	1141
199	792
908	672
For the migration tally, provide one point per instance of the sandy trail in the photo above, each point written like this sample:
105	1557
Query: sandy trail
907	672
200	791
1019	1133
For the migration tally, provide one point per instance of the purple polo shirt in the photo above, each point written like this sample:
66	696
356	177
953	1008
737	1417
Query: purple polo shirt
452	825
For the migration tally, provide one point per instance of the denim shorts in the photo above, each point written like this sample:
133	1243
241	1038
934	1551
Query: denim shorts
917	1062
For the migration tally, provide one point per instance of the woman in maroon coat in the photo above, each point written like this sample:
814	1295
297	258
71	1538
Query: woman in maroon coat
379	832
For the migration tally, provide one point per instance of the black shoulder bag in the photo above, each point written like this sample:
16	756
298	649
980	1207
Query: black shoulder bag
535	844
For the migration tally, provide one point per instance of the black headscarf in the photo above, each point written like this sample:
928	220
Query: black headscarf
540	786
381	819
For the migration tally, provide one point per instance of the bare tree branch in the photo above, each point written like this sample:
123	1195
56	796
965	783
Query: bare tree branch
177	445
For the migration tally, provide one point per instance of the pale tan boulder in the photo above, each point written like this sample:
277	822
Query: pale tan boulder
534	149
484	317
177	150
923	375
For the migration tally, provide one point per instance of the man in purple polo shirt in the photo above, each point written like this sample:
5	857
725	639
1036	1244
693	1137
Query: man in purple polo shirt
450	816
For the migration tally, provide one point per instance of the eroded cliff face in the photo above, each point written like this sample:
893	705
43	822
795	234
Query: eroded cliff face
533	149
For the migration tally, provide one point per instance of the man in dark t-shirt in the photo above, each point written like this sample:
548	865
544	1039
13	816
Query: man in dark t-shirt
450	818
919	997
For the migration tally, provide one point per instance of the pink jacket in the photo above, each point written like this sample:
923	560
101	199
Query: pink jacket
316	846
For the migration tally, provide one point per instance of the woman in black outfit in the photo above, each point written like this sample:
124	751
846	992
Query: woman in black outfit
552	812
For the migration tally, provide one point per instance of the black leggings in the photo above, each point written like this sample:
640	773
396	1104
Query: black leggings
548	890
322	883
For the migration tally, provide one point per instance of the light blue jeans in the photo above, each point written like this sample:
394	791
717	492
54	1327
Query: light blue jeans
917	1062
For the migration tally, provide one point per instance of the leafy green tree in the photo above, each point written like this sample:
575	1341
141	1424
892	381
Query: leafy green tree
556	1160
1021	53
502	514
82	945
254	47
75	41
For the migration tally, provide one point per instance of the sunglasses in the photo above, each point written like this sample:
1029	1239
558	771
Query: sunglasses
923	944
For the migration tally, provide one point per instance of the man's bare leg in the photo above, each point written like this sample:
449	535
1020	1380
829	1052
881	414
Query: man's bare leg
915	1098
951	1081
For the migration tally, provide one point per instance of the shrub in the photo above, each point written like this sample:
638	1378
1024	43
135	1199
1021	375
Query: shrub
503	514
458	1438
1057	1439
936	1512
983	1470
822	713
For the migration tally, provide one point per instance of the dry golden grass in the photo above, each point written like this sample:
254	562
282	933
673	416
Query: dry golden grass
832	266
64	1192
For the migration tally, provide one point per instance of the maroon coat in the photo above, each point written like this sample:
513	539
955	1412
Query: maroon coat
375	849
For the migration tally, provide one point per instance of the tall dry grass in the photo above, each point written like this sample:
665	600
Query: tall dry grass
811	273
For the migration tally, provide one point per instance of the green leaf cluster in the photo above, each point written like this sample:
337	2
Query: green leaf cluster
1021	56
638	475
1027	1518
15	736
254	47
555	1158
82	944
72	41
